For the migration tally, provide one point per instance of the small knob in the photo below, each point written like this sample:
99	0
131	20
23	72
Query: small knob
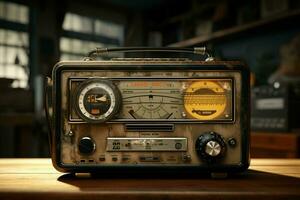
210	147
213	148
86	145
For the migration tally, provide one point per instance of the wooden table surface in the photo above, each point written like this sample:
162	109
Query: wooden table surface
37	179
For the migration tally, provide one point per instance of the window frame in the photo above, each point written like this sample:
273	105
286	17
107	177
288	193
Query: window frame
89	37
9	25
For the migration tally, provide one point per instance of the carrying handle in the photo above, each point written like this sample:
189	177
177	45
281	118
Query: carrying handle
196	50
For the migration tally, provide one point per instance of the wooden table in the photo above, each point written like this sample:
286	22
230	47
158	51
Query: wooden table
37	179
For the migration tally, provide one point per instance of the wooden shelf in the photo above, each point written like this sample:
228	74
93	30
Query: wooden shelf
237	29
275	145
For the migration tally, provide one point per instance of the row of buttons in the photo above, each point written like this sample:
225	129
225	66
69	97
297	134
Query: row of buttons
185	158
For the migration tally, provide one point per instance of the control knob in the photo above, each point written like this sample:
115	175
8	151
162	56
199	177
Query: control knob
210	147
86	145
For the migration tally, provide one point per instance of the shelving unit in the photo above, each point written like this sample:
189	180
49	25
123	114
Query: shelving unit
291	16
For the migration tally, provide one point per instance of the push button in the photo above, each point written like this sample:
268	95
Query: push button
178	145
149	159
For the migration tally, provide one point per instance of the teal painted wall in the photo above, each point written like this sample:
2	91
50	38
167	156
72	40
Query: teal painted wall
260	51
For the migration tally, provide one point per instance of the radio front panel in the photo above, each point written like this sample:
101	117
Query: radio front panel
119	116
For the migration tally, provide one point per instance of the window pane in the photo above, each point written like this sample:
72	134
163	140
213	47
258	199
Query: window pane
24	39
64	57
65	44
109	29
94	45
78	23
9	68
14	12
20	76
2	56
67	25
86	25
85	47
24	14
75	57
13	52
12	38
74	48
77	46
10	71
23	58
23	83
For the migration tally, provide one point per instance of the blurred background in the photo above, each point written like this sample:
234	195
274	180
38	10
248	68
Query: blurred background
265	34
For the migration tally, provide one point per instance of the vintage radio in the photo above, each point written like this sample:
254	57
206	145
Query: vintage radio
149	114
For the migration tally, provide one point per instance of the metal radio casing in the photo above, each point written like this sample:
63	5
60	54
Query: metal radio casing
126	143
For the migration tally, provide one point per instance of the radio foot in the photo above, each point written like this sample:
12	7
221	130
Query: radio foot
219	175
83	175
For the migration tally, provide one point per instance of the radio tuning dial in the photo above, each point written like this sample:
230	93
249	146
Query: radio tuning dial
97	100
210	147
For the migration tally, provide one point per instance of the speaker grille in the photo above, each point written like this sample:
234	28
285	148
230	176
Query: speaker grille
149	127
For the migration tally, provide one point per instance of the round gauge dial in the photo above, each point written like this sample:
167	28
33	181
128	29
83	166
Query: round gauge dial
205	100
97	100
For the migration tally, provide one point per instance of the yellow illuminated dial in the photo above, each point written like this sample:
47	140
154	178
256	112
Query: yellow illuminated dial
205	100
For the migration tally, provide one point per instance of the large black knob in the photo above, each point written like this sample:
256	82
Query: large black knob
86	145
210	147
